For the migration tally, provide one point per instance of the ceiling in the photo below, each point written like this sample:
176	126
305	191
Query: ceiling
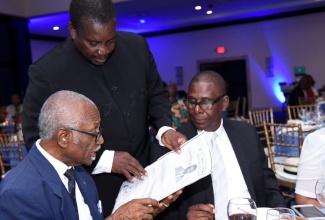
159	15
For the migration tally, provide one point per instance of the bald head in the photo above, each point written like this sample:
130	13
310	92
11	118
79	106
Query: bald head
210	76
60	110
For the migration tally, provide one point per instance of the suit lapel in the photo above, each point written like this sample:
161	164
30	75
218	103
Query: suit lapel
52	179
236	143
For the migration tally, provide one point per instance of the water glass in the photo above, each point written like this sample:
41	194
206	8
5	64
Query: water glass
280	213
320	192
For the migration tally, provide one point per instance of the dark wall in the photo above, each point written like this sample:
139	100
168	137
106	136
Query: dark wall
15	57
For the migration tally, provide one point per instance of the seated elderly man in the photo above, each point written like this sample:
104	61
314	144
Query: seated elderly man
239	166
50	182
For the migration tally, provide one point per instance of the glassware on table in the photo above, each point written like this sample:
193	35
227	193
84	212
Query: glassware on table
241	209
280	213
320	192
318	118
302	113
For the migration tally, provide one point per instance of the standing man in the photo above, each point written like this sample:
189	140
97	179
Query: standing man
40	187
117	71
239	166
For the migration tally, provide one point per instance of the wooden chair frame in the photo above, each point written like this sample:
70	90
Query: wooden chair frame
233	109
307	101
10	143
257	119
292	110
283	135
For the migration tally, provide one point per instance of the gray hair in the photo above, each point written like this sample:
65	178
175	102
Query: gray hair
211	77
58	111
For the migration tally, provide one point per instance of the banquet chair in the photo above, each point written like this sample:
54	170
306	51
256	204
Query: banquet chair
292	110
284	143
257	118
2	168
233	109
307	100
243	113
10	150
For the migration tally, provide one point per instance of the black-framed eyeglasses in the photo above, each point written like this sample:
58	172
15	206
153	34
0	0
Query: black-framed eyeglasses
97	135
205	105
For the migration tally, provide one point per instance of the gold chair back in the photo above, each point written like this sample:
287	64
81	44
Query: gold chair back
292	110
233	108
10	150
257	118
243	113
2	168
289	138
307	101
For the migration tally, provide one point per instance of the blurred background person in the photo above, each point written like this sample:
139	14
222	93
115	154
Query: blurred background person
304	89
15	108
179	110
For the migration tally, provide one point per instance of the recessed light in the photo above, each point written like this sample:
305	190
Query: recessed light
209	12
198	7
56	28
142	21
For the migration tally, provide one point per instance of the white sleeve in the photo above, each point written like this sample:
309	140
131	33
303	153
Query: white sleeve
105	162
310	168
161	131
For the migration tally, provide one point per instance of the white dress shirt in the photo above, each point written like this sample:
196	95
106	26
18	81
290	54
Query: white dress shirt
235	181
83	209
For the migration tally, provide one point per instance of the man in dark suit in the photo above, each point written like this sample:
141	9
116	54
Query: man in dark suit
39	188
242	168
117	71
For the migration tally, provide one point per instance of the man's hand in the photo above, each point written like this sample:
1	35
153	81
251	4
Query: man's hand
127	165
163	204
201	212
136	209
173	140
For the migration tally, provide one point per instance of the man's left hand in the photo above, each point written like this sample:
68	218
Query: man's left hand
173	140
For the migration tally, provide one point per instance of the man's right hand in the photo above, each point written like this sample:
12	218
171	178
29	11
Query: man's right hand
125	164
136	209
201	211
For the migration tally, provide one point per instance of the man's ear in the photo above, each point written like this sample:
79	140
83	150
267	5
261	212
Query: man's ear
73	31
62	137
225	103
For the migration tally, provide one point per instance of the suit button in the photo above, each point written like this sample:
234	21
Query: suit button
126	114
134	139
114	88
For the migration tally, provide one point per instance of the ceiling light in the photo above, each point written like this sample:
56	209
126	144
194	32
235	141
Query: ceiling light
198	7
142	21
55	28
209	12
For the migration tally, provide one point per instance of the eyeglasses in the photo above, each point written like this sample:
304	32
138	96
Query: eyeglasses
205	105
97	135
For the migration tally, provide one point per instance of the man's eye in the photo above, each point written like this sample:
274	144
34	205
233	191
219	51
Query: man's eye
192	102
92	44
205	103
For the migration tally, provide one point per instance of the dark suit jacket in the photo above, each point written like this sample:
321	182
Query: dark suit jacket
34	190
126	89
260	180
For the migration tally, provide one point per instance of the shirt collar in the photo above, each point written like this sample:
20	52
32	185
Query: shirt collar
218	131
58	165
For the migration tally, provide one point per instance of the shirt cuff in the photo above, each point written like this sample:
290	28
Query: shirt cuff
105	162
161	131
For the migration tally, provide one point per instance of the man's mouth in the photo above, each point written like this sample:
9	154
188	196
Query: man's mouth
93	153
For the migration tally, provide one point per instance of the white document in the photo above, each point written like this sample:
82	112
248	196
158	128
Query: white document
170	172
